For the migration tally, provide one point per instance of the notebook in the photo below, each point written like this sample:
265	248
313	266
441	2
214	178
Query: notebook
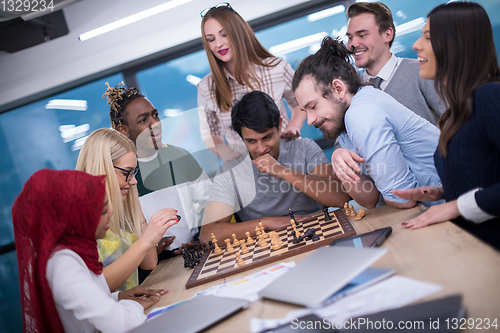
323	273
193	315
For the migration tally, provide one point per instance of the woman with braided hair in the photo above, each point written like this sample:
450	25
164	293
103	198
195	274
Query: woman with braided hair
168	176
239	64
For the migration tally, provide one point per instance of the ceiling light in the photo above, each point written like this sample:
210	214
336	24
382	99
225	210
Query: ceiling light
172	112
325	13
67	104
194	80
297	44
79	143
132	18
411	26
72	132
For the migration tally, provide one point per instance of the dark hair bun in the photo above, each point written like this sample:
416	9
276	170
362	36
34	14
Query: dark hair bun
335	47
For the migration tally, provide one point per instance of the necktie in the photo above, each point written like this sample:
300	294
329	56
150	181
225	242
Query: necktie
376	81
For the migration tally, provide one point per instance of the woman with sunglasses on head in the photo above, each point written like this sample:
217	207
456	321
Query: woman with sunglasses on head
57	218
130	242
239	64
457	51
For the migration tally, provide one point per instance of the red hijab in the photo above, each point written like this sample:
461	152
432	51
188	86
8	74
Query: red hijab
55	210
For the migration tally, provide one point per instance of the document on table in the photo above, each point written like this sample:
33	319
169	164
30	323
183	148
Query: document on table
248	287
391	293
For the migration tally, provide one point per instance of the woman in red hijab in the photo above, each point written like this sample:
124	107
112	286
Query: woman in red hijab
57	218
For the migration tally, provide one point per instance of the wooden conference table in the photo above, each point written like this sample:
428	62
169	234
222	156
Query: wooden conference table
443	254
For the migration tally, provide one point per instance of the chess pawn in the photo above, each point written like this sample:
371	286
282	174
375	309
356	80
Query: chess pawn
277	236
250	240
360	214
262	242
279	240
297	233
240	261
236	242
275	242
327	215
262	230
229	248
217	249
244	248
292	222
257	231
351	209
346	207
213	238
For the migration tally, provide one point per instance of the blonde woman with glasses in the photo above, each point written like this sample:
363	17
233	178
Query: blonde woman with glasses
239	64
130	242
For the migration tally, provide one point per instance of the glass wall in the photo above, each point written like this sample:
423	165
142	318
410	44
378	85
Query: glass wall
45	134
171	86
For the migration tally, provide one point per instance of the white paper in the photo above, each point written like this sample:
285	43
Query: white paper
248	287
391	293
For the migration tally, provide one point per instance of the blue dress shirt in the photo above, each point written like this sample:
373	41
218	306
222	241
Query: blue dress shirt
398	146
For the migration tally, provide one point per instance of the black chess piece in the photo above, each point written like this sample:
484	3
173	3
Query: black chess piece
185	255
290	212
204	246
327	215
194	259
197	250
314	237
309	233
212	247
295	239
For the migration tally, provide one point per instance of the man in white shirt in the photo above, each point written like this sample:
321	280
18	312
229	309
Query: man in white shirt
371	32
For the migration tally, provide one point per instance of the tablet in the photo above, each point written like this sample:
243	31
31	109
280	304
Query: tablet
370	239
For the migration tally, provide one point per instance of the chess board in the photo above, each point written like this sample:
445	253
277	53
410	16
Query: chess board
214	267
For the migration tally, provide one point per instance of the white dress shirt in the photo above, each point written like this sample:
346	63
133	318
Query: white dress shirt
83	300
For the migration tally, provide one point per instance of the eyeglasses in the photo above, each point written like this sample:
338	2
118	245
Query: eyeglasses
222	4
129	174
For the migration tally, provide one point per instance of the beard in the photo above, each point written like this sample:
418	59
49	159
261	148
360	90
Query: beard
340	108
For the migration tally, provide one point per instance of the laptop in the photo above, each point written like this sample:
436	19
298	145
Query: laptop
193	315
316	279
441	315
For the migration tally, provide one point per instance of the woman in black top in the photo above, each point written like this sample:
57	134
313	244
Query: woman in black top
457	51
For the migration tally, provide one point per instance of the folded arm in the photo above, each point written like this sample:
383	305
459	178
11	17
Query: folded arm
359	186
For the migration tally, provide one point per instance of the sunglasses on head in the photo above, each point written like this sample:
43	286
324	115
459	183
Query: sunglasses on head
222	4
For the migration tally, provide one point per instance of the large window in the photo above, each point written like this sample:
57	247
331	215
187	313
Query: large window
171	86
45	134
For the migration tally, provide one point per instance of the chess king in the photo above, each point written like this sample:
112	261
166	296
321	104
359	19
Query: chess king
273	176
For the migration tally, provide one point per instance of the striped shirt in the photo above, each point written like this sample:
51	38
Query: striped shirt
275	81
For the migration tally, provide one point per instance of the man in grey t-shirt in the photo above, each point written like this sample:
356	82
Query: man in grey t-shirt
274	176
